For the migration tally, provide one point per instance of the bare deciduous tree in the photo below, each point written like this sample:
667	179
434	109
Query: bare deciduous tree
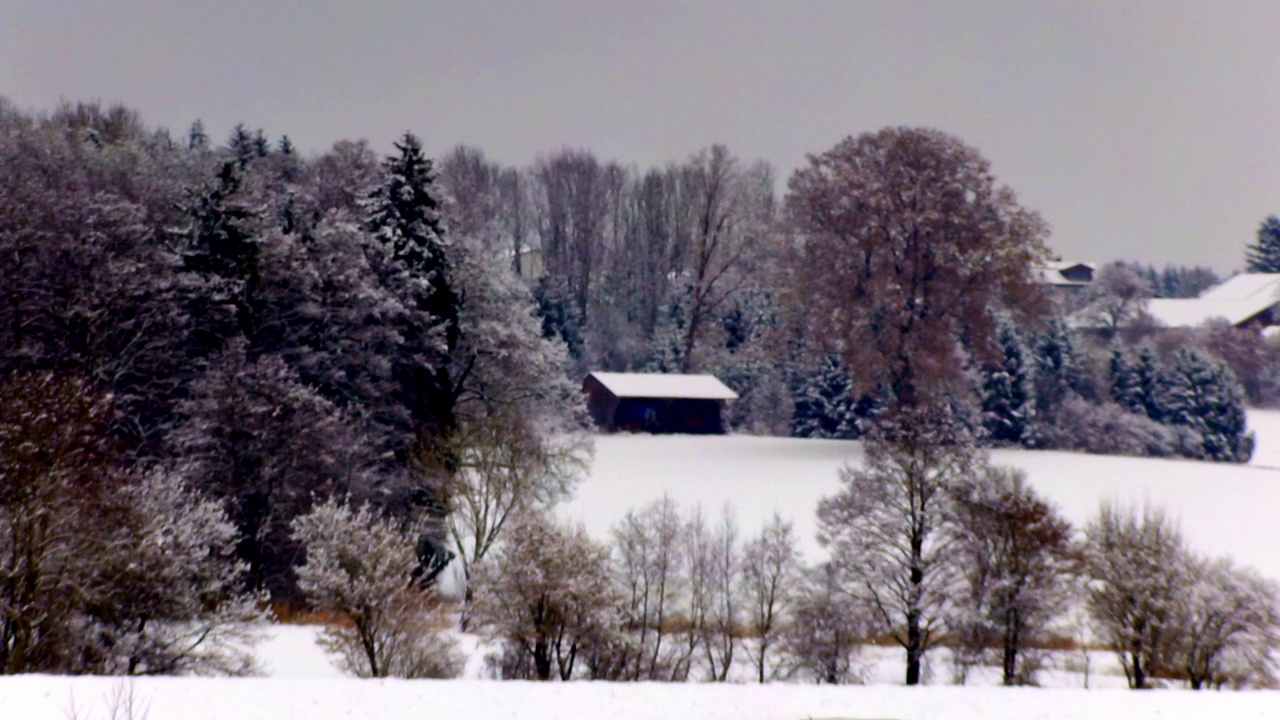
650	560
903	242
770	572
1018	560
1230	626
361	567
827	628
723	626
548	597
888	527
1138	573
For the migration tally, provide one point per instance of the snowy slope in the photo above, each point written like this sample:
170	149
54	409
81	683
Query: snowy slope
1224	509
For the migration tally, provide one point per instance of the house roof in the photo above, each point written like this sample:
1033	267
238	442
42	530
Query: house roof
1246	286
1236	300
1181	312
660	385
1052	272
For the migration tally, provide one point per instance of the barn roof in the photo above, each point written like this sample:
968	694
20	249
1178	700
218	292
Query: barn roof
1195	312
1246	286
660	385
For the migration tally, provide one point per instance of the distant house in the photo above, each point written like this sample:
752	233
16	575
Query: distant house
1066	276
654	402
1248	300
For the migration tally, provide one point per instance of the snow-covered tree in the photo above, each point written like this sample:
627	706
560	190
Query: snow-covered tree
825	403
826	632
1230	627
547	597
1204	395
903	243
1263	256
657	560
175	604
1008	404
103	570
887	527
404	214
1018	559
770	574
361	567
1139	570
266	446
517	441
1116	298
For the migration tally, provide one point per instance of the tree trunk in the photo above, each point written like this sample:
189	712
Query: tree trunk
1012	639
914	647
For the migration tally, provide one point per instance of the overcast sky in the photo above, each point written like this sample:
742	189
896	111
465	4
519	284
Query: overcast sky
1140	130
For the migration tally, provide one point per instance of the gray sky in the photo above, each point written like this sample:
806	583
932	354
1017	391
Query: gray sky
1140	130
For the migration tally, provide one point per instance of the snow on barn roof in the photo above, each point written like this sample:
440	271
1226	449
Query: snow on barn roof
659	385
1246	286
1236	300
1177	312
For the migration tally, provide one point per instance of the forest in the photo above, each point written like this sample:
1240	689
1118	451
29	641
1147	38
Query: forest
236	380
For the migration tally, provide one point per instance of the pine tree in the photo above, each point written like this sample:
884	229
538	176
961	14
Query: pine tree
1263	256
1204	395
1008	410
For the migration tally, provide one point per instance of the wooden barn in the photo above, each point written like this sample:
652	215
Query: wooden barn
657	403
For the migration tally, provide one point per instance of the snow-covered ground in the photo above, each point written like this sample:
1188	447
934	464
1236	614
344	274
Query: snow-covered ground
1223	509
49	698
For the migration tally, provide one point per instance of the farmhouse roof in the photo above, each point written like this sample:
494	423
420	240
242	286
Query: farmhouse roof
659	385
1237	300
1246	286
1177	312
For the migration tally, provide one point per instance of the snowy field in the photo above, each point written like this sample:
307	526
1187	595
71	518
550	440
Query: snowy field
1223	510
48	698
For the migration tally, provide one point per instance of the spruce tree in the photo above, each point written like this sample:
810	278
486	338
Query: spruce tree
1263	256
1126	388
1007	404
220	263
404	216
1151	383
1056	371
825	403
1205	396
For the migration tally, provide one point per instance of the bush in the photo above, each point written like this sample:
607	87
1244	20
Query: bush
1108	429
361	566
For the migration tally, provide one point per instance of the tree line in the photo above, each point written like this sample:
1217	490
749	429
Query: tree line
252	339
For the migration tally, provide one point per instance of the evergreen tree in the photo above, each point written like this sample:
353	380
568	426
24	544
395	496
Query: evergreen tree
1126	388
1008	409
1204	395
220	263
404	215
197	138
1263	256
1150	391
1056	371
825	403
241	144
